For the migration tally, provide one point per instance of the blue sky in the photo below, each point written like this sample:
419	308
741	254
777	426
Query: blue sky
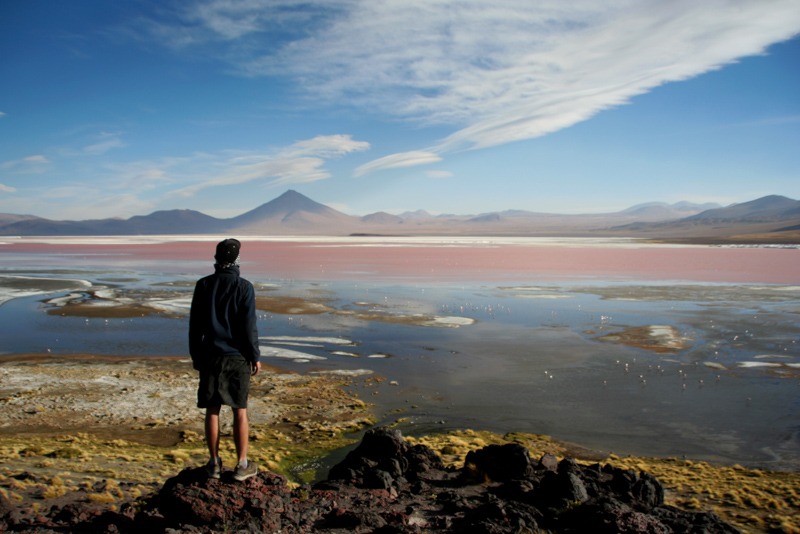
114	109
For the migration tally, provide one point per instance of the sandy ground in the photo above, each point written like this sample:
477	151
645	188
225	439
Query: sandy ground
108	430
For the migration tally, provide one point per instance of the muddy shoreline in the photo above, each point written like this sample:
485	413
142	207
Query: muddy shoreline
108	430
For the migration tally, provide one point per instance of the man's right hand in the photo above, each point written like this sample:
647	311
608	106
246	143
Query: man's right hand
255	368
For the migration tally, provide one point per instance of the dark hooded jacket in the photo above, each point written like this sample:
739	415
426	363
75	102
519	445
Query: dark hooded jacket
222	320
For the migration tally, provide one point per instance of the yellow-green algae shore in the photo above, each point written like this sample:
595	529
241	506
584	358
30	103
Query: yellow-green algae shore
110	430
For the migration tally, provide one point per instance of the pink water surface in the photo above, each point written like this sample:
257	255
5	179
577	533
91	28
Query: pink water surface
320	260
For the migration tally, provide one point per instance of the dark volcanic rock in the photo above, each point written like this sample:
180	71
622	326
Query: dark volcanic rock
384	460
385	485
499	463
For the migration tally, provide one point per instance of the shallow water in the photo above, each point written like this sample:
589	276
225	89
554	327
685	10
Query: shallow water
612	356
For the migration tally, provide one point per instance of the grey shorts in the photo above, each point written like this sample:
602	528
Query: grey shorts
225	381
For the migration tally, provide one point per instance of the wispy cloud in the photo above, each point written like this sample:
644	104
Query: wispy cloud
97	203
301	162
7	189
243	23
26	164
324	146
105	141
496	72
141	176
396	161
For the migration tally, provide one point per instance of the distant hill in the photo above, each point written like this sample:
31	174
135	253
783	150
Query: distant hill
382	218
9	218
181	222
773	218
766	209
293	213
418	214
159	222
654	211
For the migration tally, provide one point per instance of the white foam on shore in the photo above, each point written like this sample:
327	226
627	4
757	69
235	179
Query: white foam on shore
416	319
535	292
179	305
105	240
344	372
107	293
310	341
288	354
296	344
10	293
771	365
109	298
749	365
525	288
277	347
715	365
545	296
450	322
663	331
351	241
66	299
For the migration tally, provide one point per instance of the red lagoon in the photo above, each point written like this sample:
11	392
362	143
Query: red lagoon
443	260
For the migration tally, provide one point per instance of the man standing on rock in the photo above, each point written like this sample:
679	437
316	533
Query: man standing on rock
223	343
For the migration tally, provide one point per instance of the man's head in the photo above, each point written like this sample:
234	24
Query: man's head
227	251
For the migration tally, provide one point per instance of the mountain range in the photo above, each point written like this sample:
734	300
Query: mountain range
768	219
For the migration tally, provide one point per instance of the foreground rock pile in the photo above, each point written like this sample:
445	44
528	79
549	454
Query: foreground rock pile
387	485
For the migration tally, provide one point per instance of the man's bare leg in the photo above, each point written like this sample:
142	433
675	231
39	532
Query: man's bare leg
241	433
212	431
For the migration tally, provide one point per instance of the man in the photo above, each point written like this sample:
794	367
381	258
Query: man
223	343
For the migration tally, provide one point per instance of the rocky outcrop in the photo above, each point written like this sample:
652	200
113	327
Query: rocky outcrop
387	485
